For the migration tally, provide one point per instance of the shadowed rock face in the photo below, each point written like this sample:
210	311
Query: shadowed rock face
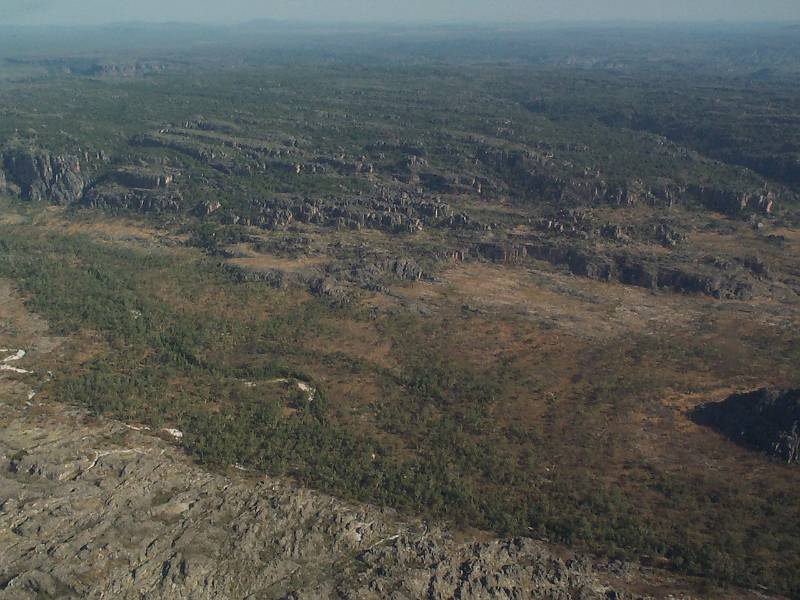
767	420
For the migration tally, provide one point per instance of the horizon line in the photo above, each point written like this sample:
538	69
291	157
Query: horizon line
416	23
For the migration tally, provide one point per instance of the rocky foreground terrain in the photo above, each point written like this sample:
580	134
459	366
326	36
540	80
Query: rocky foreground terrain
97	509
103	511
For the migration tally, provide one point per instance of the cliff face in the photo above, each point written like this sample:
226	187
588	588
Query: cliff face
41	175
767	420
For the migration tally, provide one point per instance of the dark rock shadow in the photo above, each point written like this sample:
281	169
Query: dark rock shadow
766	420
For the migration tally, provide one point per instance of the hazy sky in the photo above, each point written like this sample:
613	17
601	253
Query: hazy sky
102	11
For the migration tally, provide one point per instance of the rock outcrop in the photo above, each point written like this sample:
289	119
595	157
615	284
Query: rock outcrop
624	268
373	273
733	202
331	290
40	175
537	172
767	420
147	179
394	212
114	196
88	67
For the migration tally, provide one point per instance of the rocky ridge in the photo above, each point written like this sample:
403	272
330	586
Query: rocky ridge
628	268
567	237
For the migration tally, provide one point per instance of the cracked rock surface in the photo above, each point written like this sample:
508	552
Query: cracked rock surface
94	509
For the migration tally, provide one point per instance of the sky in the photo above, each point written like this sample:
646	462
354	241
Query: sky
86	12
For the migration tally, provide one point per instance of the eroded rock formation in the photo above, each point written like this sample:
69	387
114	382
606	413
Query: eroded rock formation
40	175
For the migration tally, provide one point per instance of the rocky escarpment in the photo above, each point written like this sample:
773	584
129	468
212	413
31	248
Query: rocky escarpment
710	279
110	195
538	173
374	272
142	178
733	202
390	210
532	175
140	189
767	420
334	282
100	510
40	175
88	67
